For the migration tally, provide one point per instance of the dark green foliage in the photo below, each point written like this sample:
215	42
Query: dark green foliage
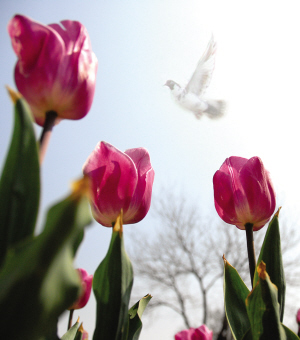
20	183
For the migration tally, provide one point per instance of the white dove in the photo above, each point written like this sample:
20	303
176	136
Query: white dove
191	97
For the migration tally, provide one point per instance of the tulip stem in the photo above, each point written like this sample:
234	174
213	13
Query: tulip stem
46	133
251	250
70	318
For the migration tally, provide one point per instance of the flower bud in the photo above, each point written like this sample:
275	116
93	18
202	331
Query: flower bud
86	284
119	181
85	335
244	193
56	68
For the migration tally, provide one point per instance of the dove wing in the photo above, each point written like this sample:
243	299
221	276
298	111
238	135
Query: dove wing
203	73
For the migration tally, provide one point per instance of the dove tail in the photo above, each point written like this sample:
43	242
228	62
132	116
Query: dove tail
215	108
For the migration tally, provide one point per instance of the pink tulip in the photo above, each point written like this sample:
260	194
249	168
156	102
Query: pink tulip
56	68
86	283
119	181
244	192
298	321
201	333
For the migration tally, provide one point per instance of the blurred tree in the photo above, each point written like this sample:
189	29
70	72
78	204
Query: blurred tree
183	264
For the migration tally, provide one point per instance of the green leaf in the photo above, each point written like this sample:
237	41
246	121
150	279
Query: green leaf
71	333
235	292
74	333
78	241
112	285
263	309
290	335
247	335
271	255
135	314
38	281
78	336
19	183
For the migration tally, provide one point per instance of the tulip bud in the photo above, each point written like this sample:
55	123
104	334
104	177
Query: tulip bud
56	68
86	284
119	181
201	333
244	193
85	335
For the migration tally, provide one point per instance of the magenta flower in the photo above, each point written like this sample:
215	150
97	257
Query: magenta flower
298	317
85	335
86	283
201	333
298	321
244	193
119	181
56	68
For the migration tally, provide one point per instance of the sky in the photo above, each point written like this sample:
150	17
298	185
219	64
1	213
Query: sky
140	45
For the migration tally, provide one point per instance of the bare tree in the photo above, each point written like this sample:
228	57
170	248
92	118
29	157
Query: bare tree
183	264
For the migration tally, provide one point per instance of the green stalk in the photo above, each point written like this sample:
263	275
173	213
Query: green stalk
46	133
251	250
70	318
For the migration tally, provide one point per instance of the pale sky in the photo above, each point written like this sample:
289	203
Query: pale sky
139	45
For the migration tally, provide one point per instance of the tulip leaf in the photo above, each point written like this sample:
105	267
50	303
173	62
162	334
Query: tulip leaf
290	335
19	183
79	334
235	292
135	315
38	281
263	309
247	335
112	285
271	255
71	333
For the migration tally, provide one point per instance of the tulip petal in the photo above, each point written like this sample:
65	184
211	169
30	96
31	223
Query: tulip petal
23	31
258	190
79	63
183	335
224	200
232	165
140	202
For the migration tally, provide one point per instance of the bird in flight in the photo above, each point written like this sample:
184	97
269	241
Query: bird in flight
191	96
